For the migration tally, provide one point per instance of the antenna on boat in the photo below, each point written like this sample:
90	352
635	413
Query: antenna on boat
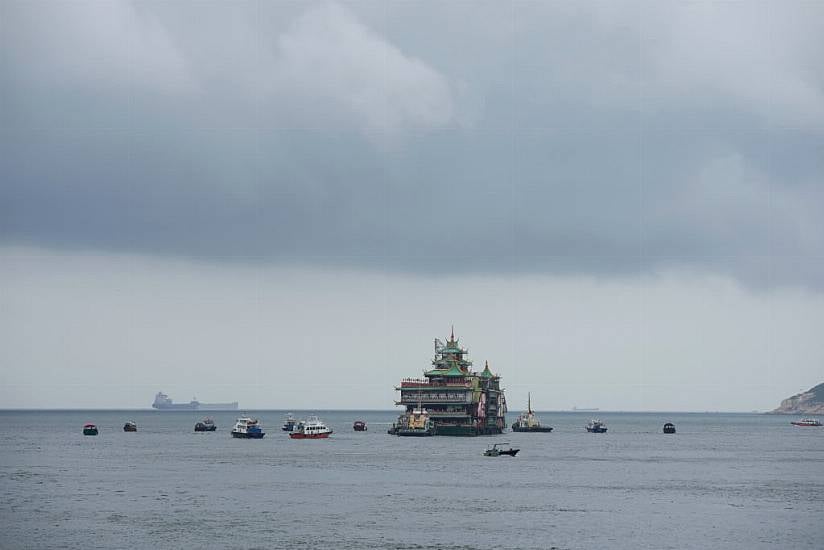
529	402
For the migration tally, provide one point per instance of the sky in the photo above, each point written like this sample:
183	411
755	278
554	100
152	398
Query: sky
618	205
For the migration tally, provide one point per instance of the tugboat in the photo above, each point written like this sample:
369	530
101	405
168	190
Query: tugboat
289	423
595	426
205	425
247	428
528	422
129	426
669	428
359	426
311	428
89	429
460	401
495	451
413	424
806	422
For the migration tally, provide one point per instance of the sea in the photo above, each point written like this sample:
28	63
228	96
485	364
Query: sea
740	481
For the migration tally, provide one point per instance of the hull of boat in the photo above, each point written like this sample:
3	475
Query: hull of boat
89	432
413	433
800	425
541	429
597	430
466	431
240	435
205	429
294	435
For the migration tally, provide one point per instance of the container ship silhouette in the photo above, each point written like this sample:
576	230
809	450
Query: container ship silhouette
162	402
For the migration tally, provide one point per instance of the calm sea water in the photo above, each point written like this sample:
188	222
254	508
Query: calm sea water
723	481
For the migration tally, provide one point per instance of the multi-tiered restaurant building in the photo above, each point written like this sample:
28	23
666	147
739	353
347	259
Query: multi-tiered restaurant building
457	400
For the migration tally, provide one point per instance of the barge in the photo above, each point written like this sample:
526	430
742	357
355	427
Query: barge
457	400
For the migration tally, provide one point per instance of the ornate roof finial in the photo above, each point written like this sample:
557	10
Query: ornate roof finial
452	336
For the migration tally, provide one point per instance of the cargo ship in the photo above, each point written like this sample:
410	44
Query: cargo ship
458	401
162	402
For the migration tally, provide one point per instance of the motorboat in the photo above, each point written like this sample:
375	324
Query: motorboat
89	429
311	428
595	426
669	428
289	424
247	428
494	450
359	426
806	422
205	425
130	426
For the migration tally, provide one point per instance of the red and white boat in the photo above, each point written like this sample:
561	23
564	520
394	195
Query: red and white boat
311	428
806	422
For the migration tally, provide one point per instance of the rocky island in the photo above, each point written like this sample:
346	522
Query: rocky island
807	403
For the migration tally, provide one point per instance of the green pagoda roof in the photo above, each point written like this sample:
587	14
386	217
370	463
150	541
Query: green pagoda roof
454	370
486	372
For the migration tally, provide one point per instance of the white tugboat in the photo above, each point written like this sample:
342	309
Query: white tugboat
528	422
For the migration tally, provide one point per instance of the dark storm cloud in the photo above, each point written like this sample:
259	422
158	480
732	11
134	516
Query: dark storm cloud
426	137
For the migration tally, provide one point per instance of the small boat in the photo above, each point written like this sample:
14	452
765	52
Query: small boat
289	424
528	422
247	428
205	425
311	428
413	424
129	426
595	426
669	428
806	422
89	429
359	426
495	451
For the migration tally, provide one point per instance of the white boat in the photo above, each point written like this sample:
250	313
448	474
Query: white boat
596	426
806	422
247	428
311	428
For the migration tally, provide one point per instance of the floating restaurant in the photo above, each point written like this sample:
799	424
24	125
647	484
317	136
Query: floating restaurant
457	400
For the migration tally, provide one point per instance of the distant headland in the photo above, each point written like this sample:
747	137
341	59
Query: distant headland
808	402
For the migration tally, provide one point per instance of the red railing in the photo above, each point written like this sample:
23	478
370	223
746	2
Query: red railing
423	383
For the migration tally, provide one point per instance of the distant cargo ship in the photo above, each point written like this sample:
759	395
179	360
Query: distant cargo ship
162	402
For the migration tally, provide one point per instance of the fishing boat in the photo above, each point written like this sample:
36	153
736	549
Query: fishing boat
669	428
806	422
528	422
89	429
495	451
311	428
359	426
129	426
205	425
289	424
247	428
595	426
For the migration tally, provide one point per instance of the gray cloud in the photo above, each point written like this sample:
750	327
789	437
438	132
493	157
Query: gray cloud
422	137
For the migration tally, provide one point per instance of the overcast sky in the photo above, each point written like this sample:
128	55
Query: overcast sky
619	205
